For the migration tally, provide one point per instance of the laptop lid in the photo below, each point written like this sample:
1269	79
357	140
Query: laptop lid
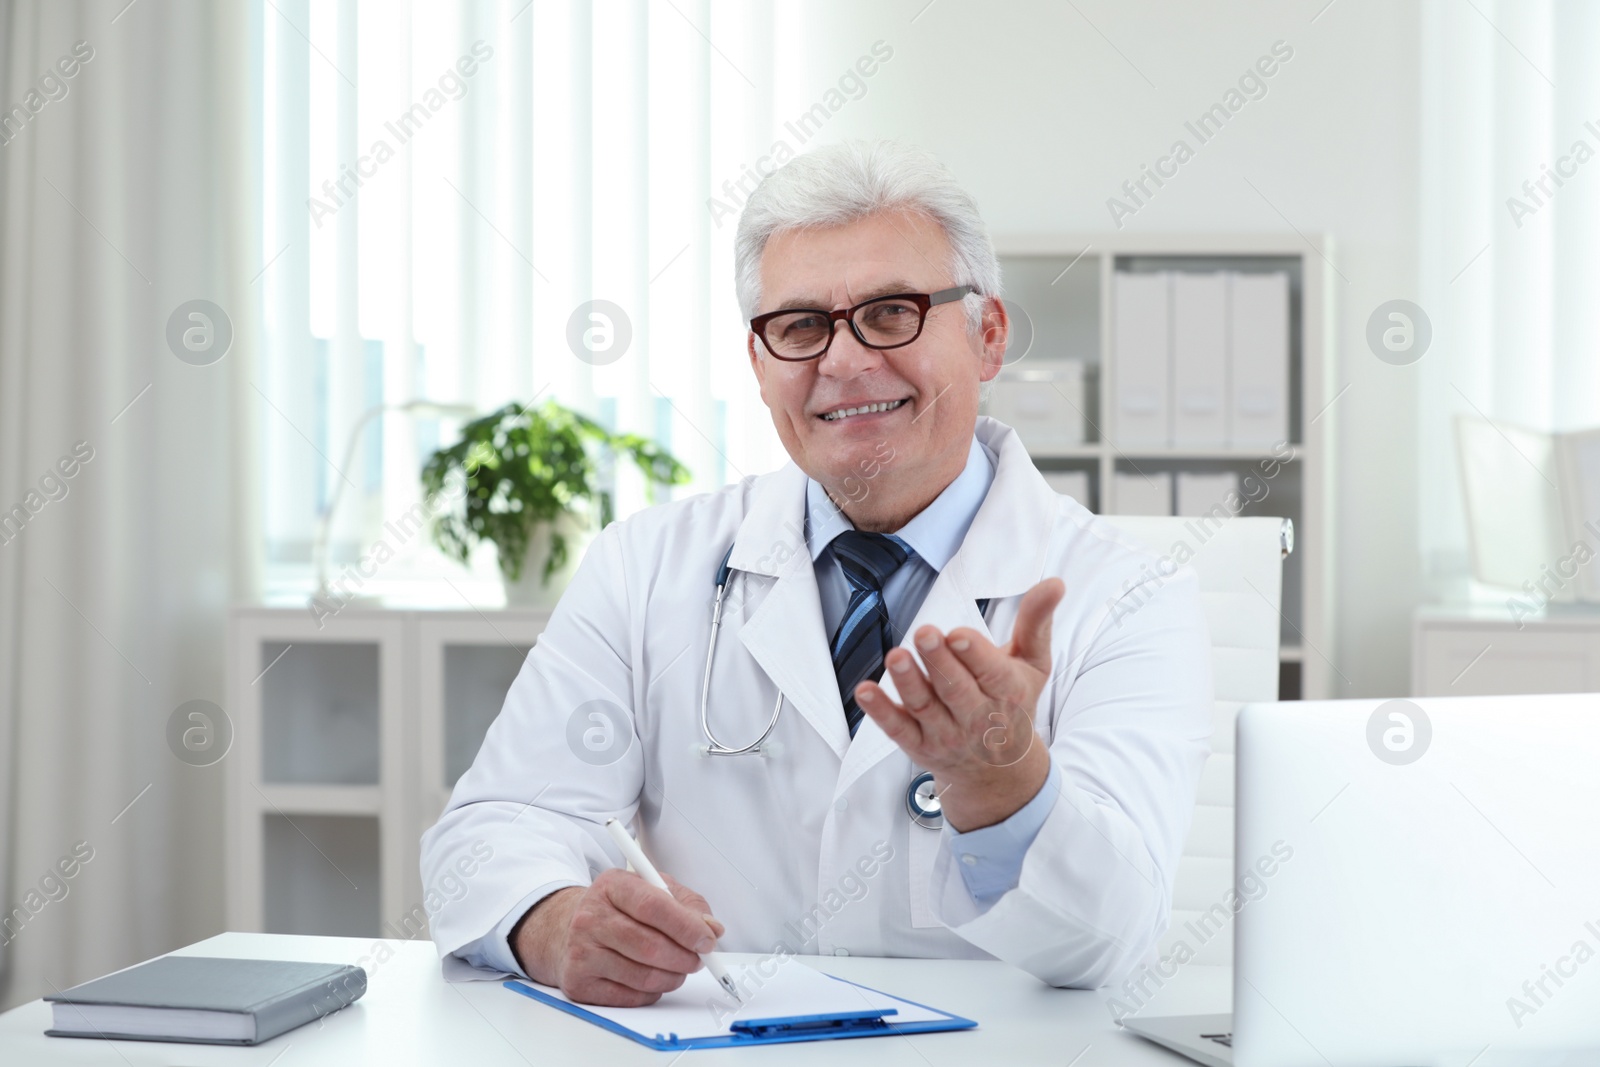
1419	880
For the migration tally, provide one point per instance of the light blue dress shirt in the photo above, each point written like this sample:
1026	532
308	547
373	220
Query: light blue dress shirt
990	860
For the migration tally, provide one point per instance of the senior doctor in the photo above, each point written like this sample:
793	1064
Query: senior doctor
908	595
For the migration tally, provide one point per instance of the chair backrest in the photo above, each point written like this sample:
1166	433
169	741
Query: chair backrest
1239	562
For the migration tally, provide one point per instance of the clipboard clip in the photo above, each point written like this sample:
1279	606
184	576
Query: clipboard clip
837	1024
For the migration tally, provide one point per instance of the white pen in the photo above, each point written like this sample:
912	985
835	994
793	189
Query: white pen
647	870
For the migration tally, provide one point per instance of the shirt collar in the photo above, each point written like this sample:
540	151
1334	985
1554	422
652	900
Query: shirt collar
934	533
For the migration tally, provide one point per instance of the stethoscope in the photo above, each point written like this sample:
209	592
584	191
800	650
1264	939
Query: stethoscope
922	798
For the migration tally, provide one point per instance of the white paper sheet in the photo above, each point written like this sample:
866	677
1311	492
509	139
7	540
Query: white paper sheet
776	988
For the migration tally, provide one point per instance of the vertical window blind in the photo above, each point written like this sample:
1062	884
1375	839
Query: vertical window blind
445	187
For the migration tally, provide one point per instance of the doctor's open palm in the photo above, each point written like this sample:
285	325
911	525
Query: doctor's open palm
619	941
968	717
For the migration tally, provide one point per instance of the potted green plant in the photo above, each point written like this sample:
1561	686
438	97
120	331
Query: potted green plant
532	481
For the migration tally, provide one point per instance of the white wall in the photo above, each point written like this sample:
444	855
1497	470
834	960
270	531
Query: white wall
1044	116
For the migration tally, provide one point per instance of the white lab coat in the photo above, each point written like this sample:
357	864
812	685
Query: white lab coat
810	847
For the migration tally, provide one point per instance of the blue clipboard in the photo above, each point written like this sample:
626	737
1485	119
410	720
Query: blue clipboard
873	1023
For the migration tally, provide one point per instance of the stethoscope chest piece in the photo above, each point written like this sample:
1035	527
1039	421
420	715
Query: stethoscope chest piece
922	802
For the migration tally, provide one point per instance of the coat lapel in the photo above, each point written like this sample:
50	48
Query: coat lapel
785	633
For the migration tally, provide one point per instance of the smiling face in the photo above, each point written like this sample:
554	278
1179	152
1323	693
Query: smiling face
921	400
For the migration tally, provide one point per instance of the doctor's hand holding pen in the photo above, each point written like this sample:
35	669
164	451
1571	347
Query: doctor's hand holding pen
969	717
619	941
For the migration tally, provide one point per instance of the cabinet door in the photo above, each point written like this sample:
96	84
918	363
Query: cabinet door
320	722
321	875
317	775
1478	660
465	664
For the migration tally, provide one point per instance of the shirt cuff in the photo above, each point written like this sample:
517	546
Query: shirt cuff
492	951
990	859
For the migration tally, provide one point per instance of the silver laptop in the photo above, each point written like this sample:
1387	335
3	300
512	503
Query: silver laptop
1442	902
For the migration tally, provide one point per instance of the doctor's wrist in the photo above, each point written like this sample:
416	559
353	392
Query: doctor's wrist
990	795
538	940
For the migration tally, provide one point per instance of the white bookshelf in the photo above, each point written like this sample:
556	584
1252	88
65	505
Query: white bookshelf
347	741
1064	285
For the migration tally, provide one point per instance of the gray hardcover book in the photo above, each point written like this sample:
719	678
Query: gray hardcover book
205	999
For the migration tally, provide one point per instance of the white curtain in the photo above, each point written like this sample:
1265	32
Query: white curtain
1510	258
121	188
185	158
446	183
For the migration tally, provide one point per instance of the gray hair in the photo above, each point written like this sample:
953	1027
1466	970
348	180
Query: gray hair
841	183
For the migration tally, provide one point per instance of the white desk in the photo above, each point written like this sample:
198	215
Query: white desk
411	1015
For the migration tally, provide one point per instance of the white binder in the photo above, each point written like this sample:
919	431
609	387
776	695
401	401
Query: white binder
1199	494
1071	483
1260	371
1142	357
1200	360
1043	402
1141	494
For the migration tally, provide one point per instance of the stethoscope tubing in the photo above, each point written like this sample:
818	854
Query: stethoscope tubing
927	816
714	746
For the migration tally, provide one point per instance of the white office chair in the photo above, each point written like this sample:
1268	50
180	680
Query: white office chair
1239	562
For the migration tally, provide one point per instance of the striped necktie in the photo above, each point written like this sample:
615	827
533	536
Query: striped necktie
863	637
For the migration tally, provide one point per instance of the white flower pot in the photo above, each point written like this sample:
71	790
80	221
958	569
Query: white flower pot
531	590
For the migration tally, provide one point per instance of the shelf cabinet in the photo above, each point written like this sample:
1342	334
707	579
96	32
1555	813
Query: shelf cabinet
1062	295
1483	650
347	740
